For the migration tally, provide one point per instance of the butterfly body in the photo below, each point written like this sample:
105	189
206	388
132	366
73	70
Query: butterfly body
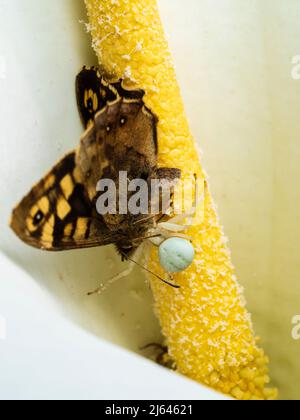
60	212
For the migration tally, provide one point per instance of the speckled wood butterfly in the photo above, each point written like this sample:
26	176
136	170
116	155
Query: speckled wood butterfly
59	213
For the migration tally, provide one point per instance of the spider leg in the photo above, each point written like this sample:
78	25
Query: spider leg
175	223
103	287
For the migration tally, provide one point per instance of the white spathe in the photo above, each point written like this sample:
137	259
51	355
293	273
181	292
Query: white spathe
45	356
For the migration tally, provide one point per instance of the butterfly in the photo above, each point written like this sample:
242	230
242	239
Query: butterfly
60	211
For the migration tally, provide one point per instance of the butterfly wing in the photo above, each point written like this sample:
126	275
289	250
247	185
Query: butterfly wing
60	212
93	93
122	138
57	213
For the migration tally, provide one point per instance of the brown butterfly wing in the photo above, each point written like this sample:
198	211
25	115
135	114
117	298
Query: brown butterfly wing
60	212
57	213
122	138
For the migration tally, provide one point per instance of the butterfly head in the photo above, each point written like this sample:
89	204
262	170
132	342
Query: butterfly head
128	244
126	250
129	239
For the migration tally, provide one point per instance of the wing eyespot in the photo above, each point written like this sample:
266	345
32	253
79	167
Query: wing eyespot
123	121
90	104
38	218
91	101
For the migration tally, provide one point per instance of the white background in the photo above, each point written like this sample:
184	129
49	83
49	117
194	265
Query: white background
233	62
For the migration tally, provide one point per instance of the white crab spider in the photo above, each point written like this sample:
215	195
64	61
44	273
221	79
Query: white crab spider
175	249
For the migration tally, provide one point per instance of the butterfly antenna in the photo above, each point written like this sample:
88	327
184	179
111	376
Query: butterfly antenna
175	286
